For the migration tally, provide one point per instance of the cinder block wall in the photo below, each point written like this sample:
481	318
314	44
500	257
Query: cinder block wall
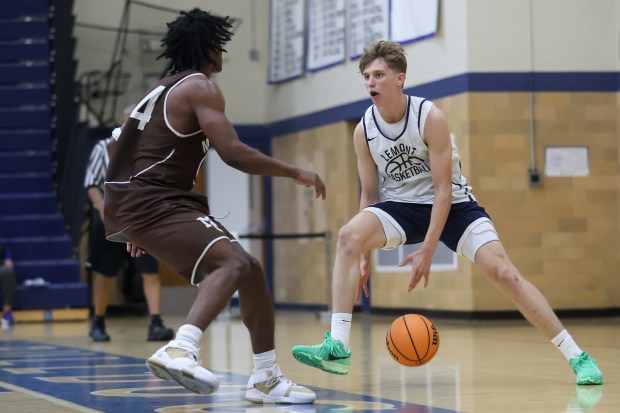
300	265
564	234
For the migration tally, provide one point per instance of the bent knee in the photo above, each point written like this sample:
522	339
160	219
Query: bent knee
255	265
349	240
242	266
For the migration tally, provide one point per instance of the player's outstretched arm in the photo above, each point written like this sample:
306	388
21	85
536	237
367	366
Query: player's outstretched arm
208	104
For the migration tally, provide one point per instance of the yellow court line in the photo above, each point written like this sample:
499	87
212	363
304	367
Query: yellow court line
52	399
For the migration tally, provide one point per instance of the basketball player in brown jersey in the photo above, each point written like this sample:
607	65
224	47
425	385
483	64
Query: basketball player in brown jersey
149	205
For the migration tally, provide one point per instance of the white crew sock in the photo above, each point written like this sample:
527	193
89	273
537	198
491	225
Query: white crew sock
565	343
264	361
341	327
188	336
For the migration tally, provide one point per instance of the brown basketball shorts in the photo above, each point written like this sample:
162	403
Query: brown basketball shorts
180	240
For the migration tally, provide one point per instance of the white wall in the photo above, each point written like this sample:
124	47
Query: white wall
249	99
498	36
568	35
243	80
582	37
228	190
617	27
432	59
474	35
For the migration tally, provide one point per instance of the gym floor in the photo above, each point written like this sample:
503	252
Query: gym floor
481	366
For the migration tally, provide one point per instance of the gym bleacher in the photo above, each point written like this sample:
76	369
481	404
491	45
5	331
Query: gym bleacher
35	59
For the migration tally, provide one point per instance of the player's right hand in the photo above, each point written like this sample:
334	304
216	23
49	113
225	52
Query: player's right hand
311	179
420	261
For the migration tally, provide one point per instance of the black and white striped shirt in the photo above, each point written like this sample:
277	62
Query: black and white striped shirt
97	165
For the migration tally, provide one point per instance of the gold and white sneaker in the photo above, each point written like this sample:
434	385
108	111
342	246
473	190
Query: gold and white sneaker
270	386
174	363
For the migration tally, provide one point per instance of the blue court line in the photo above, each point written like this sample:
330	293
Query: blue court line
113	383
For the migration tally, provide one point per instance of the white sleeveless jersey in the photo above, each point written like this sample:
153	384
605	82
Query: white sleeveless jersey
402	159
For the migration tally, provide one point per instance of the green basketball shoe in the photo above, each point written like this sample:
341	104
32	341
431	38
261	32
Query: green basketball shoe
329	356
586	369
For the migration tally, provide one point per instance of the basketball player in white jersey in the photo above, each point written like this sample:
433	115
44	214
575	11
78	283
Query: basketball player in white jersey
412	192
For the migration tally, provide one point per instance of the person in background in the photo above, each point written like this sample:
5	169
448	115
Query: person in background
8	285
150	205
106	258
413	192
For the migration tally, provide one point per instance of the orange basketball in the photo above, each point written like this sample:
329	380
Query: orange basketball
412	340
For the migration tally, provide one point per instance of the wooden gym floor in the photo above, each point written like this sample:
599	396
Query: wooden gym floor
482	366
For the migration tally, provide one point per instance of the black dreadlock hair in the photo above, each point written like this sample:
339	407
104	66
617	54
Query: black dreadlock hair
190	38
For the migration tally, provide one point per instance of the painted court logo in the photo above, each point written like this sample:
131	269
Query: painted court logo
402	164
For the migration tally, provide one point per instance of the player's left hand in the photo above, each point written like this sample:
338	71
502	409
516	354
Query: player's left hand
311	179
134	250
420	261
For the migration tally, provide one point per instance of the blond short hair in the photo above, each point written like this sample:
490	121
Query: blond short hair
390	52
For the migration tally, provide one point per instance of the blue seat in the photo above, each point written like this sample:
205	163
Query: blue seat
21	8
16	73
24	95
47	225
25	140
28	203
15	183
51	270
19	162
52	296
41	248
18	50
23	29
35	117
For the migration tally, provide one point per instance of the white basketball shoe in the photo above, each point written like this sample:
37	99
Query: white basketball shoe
174	363
270	386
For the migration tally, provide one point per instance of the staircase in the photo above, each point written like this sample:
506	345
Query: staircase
30	221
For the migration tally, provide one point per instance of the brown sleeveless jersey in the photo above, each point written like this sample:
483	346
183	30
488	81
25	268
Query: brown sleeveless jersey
152	166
